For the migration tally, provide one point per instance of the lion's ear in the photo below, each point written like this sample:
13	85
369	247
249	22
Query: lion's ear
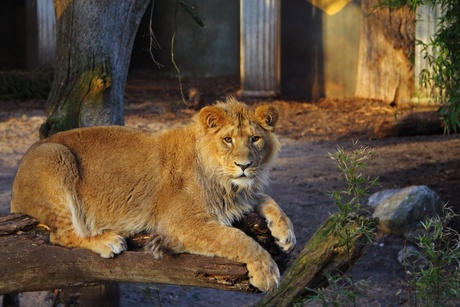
268	116
211	117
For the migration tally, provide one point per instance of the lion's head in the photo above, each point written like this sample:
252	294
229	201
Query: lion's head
239	144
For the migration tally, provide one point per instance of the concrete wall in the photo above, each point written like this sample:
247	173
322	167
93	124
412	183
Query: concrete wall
209	51
319	52
341	35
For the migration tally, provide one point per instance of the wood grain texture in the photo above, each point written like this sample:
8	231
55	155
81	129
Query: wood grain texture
31	263
385	69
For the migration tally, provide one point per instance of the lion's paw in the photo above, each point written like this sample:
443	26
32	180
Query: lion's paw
111	244
264	275
283	232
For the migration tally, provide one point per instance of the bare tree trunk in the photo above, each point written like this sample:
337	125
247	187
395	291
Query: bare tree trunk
385	68
94	40
93	49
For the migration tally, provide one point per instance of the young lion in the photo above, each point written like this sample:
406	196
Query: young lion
94	186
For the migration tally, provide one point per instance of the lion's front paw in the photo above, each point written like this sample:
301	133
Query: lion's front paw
264	275
110	244
283	232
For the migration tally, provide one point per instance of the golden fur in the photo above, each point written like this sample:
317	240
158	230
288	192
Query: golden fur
94	186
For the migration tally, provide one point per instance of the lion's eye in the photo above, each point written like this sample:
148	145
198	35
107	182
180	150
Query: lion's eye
228	140
255	138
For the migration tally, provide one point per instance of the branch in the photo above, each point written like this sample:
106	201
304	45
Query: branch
323	253
417	123
31	263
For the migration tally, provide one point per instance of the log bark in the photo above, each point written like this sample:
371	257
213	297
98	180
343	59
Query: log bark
324	253
93	49
385	69
417	123
31	263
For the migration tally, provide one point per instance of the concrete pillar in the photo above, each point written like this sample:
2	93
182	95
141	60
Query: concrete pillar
425	29
259	48
41	33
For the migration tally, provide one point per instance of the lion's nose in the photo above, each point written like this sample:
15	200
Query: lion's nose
243	166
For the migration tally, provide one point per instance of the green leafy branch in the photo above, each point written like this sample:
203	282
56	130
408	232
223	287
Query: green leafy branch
434	275
348	223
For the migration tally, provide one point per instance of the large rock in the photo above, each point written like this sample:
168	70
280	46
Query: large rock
401	211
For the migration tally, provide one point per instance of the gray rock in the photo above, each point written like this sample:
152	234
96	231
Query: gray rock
401	211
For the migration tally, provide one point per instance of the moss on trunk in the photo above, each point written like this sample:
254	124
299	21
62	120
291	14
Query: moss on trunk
324	252
93	49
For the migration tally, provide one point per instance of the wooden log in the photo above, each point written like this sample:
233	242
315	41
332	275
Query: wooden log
16	222
31	263
417	123
324	253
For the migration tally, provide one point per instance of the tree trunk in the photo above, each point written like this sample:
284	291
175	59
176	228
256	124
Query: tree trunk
385	68
94	40
93	49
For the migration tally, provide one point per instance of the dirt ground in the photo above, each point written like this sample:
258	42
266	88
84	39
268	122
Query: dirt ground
301	181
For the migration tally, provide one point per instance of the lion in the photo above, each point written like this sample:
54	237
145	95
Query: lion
95	186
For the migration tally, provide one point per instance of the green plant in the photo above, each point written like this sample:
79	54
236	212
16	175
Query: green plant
443	56
342	288
351	166
342	291
434	275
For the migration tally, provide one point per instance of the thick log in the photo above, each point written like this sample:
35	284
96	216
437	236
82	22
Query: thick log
417	123
324	253
385	70
31	263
